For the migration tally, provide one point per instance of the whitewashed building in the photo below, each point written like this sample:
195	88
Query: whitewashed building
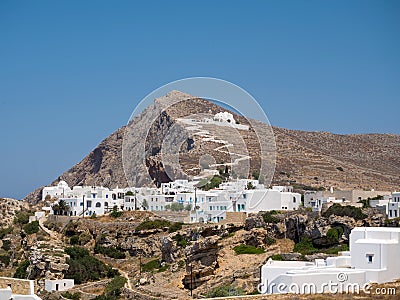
316	199
372	258
243	195
58	284
393	206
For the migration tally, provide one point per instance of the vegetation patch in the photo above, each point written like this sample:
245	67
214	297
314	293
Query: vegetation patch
109	251
277	257
345	211
180	240
22	217
6	245
337	249
177	207
31	227
269	241
333	235
5	259
269	217
73	296
246	249
225	291
5	231
305	246
113	289
83	267
213	183
156	224
175	227
154	265
21	270
115	213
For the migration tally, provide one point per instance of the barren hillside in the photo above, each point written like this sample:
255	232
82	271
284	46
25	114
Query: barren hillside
316	159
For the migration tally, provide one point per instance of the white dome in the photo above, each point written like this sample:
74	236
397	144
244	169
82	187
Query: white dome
62	184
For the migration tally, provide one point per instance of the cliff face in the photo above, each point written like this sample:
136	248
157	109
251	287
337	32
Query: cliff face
311	158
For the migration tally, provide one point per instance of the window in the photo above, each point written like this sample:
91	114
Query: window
98	204
395	213
390	213
294	199
370	258
106	196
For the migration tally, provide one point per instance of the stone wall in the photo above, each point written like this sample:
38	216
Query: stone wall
18	286
234	218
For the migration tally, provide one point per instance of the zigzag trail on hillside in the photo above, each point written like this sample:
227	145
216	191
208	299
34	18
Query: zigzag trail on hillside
362	161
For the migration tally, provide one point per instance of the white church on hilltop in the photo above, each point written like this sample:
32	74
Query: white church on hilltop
372	259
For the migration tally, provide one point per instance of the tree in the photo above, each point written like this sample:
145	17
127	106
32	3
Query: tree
56	208
256	175
250	186
145	205
63	207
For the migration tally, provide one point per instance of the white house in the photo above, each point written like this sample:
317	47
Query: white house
372	258
58	284
243	195
316	199
211	206
393	205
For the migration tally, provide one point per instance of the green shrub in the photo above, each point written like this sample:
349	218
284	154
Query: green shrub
115	213
146	225
334	234
74	240
305	246
270	218
31	227
343	211
5	259
22	217
269	241
175	227
83	267
336	249
163	268
109	251
20	272
114	287
6	245
5	231
180	240
224	291
151	265
277	257
69	295
246	249
213	183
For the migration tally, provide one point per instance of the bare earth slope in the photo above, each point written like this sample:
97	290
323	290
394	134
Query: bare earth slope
316	159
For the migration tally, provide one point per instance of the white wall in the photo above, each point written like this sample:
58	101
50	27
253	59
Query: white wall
58	285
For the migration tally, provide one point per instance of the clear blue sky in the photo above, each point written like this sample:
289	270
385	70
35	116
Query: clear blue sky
71	72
